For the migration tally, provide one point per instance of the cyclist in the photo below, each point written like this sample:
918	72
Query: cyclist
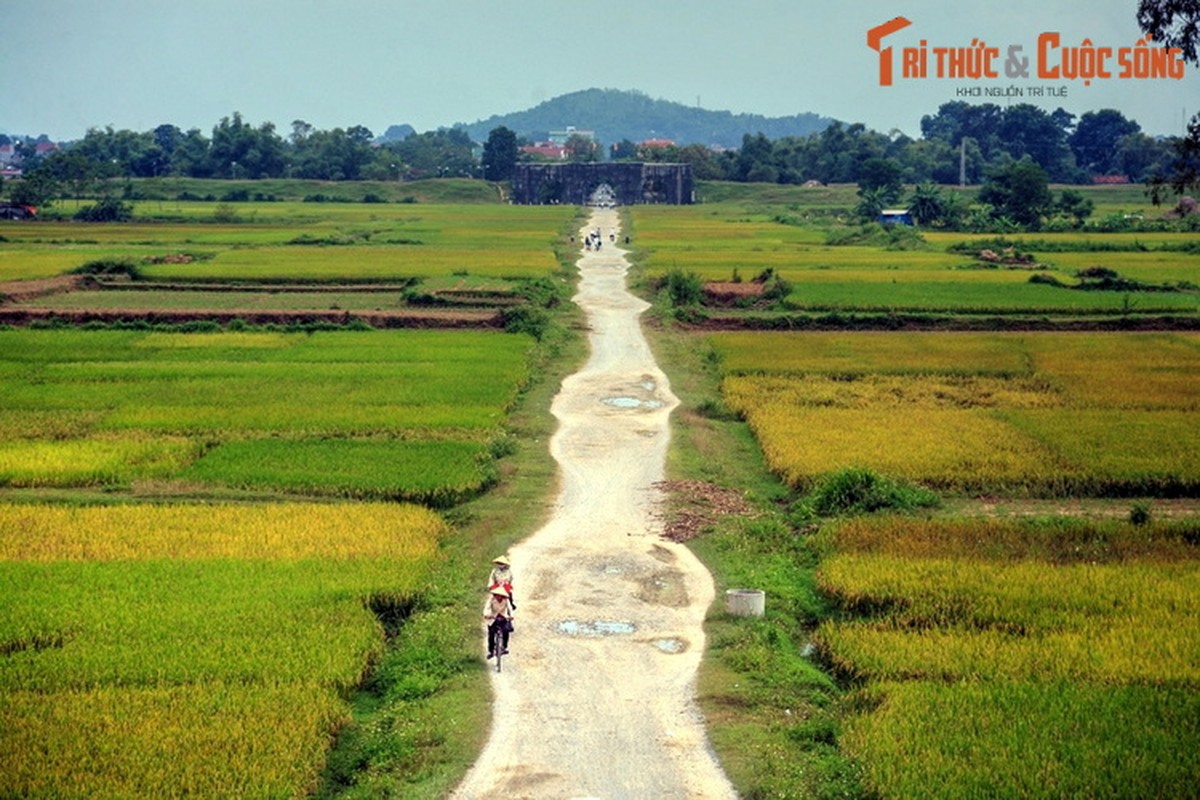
497	615
502	576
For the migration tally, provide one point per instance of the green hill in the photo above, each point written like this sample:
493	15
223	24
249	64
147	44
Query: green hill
615	115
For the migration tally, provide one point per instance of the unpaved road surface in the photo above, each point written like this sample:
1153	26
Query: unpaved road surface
596	698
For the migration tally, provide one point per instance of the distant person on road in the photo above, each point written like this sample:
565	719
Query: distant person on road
497	615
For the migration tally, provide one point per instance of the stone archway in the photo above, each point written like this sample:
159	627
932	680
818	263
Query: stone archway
602	196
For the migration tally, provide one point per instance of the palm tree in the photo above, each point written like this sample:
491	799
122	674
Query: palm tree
871	202
927	205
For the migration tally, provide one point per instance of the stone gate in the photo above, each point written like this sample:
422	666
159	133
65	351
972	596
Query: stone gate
574	184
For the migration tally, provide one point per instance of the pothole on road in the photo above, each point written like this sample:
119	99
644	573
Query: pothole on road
597	627
631	402
671	645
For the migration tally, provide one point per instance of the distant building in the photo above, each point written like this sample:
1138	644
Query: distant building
561	137
895	216
625	183
545	150
650	143
10	157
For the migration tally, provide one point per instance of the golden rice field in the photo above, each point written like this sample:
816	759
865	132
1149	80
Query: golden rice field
272	531
980	647
204	649
1043	415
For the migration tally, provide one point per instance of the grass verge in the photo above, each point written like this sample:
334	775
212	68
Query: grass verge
773	714
422	717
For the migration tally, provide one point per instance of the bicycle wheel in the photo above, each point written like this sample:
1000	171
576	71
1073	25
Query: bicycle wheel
499	653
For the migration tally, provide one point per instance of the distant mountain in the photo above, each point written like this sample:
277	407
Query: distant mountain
615	115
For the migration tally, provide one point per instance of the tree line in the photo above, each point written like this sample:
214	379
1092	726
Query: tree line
976	144
960	143
240	150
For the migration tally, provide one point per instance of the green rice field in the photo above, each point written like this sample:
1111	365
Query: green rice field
734	241
407	414
300	242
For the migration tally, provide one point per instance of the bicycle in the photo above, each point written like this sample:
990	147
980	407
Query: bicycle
498	638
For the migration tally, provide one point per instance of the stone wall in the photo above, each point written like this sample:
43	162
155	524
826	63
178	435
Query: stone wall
574	184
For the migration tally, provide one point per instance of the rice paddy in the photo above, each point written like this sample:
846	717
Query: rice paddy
984	646
735	241
158	650
1046	415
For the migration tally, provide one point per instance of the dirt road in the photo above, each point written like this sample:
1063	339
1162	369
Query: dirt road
596	697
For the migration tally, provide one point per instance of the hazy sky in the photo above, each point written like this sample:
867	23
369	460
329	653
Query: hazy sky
73	64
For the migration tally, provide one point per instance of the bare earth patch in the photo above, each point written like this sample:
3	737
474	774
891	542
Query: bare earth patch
730	291
24	291
693	506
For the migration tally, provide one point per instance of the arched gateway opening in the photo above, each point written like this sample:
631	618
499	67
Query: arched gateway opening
602	196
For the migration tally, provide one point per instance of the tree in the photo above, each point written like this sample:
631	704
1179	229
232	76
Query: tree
930	160
499	154
755	161
871	202
446	152
336	155
191	155
1172	23
1139	156
36	188
1176	23
928	205
72	168
705	166
1019	192
1027	130
301	130
958	119
1074	205
121	152
106	209
239	150
624	150
167	137
1097	139
881	175
1184	169
582	148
